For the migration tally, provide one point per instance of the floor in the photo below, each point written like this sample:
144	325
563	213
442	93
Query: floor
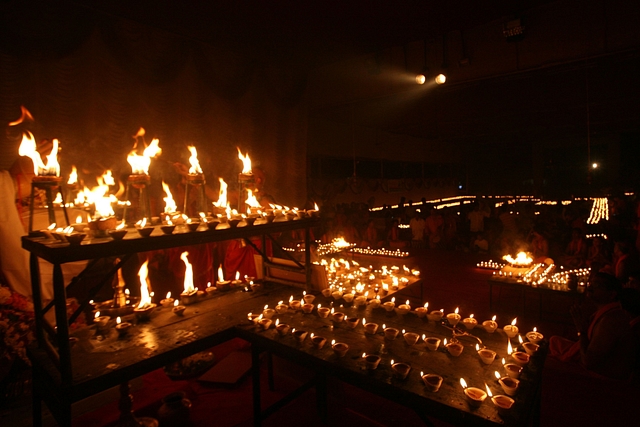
450	280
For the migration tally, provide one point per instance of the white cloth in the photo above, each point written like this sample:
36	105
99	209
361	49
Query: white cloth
14	261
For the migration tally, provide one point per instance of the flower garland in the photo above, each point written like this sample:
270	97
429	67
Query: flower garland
16	325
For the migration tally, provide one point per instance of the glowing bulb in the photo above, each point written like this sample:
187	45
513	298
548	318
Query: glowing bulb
420	79
440	79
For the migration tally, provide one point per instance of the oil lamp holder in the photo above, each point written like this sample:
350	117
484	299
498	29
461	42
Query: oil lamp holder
195	190
138	185
50	185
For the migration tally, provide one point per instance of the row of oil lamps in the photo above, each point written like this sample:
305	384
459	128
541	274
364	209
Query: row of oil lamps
509	382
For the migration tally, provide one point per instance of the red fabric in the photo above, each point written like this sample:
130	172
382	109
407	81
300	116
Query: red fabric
239	258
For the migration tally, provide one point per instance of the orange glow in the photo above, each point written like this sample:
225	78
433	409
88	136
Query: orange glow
188	274
73	176
193	160
220	274
222	198
28	148
143	274
140	164
246	162
25	115
107	177
252	201
170	204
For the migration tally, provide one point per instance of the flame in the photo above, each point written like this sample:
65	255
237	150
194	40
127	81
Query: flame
170	204
463	383
143	274
340	243
535	329
488	391
73	176
456	310
522	259
193	160
107	178
24	115
28	148
509	348
513	322
237	275
168	294
140	164
246	162
188	274
118	320
121	225
220	274
252	201
315	206
100	199
497	374
494	318
222	198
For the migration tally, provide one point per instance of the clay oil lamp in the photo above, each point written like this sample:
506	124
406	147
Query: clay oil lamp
299	335
475	396
432	343
390	333
282	308
422	311
400	370
264	323
487	356
210	290
371	361
436	315
221	284
431	381
282	328
508	384
318	341
470	322
404	308
512	369
389	305
337	316
178	309
453	318
308	298
122	327
323	311
490	325
534	336
101	321
370	328
339	348
511	330
352	322
410	337
454	348
168	301
268	313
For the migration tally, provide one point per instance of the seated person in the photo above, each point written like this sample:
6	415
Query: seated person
370	238
576	253
538	245
606	345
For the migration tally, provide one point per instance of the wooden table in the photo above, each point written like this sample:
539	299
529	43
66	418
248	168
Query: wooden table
65	373
448	404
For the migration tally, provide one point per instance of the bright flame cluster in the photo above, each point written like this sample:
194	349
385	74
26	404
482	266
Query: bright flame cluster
599	211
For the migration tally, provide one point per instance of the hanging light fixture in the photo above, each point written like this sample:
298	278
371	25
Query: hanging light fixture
440	79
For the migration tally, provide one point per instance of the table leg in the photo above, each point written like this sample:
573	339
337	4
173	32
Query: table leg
321	398
255	373
272	385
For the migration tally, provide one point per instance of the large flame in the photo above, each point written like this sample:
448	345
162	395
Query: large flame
145	296
522	259
170	204
73	176
340	243
220	274
188	274
28	148
222	199
252	201
193	160
99	197
140	164
25	115
246	161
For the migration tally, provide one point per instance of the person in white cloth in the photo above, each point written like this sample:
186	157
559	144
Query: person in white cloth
15	185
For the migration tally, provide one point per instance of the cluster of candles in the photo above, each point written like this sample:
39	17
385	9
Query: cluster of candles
348	280
551	275
491	265
380	252
509	382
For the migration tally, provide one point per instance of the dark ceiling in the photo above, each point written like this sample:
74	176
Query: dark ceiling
307	33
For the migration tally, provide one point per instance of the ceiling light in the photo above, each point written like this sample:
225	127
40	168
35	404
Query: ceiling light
441	79
420	79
